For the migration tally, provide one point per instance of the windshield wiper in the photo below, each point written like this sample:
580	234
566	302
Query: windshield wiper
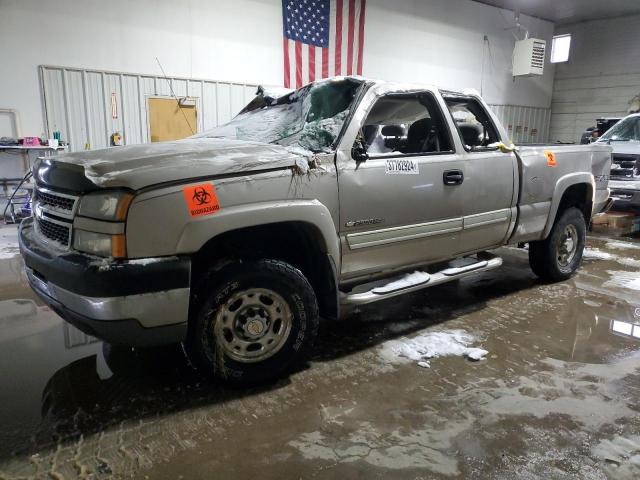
618	140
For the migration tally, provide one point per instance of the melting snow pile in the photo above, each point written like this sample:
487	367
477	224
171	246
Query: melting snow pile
9	251
623	245
597	254
430	345
630	280
623	454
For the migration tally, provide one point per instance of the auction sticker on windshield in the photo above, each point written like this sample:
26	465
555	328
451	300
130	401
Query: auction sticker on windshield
201	199
401	166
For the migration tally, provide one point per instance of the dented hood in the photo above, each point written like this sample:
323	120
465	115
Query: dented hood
139	166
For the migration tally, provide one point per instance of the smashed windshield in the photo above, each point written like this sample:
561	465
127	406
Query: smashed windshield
310	117
626	130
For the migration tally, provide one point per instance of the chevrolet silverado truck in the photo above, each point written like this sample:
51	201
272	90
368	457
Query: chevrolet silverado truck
345	192
624	138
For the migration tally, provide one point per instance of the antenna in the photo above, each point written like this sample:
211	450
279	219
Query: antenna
175	97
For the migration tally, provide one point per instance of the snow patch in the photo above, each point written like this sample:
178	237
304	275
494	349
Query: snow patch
103	264
623	245
621	453
430	345
108	263
9	251
624	279
149	261
409	280
629	262
595	253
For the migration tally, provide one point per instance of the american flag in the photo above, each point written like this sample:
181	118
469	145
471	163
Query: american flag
322	38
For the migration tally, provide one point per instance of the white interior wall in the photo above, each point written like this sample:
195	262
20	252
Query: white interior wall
441	42
601	76
434	41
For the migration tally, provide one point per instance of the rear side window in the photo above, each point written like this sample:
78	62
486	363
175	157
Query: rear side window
474	126
406	124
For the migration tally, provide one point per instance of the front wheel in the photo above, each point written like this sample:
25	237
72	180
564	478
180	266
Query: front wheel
255	320
558	256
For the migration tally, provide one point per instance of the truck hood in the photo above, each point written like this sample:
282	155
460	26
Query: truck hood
139	166
624	147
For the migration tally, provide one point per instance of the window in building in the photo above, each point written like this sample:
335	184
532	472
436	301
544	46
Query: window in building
560	48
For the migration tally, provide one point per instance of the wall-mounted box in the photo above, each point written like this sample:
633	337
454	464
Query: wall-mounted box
528	57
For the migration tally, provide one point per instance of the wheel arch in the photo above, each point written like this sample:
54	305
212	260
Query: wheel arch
301	243
572	190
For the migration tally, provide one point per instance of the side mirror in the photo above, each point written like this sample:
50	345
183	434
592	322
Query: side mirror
359	153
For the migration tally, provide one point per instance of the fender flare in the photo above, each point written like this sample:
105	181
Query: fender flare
312	212
562	185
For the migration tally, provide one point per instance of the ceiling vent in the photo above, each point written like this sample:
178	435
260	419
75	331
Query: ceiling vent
528	57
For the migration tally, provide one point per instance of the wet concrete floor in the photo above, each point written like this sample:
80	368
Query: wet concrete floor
557	396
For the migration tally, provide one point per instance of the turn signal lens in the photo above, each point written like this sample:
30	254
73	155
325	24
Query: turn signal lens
118	246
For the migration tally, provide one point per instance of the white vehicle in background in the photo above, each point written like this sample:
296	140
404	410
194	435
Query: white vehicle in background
624	182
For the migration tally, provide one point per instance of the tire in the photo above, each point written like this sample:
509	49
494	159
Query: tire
254	321
550	259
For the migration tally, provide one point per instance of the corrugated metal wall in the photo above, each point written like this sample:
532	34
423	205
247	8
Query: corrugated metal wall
524	124
78	103
600	78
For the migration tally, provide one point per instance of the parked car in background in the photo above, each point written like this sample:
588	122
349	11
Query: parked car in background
592	134
624	137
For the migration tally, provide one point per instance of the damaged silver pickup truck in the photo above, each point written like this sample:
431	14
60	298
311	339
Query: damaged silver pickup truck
344	192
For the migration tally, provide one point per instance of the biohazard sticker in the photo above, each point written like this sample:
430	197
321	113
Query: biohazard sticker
396	166
551	158
201	199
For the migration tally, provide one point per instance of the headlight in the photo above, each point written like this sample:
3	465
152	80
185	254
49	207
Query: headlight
101	244
111	206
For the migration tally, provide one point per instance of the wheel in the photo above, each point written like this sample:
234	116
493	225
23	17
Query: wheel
559	256
255	321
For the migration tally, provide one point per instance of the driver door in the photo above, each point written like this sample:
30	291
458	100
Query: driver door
402	205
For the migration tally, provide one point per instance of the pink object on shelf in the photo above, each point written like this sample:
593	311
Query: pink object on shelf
31	142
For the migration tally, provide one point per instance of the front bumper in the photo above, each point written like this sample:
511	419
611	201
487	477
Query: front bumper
625	197
136	302
602	201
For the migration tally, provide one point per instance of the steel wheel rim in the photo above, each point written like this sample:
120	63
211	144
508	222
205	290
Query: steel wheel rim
567	246
253	325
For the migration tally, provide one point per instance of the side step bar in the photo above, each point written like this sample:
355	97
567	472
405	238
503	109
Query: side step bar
419	280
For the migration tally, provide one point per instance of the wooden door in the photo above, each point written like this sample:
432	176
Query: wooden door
168	120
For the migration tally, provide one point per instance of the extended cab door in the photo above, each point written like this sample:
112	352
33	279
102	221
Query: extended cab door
487	192
398	177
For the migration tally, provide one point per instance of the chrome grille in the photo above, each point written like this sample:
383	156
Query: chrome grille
56	201
55	231
54	212
625	167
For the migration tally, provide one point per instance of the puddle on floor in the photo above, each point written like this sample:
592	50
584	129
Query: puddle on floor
560	344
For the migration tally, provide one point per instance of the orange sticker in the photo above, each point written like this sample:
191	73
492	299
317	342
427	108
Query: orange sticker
551	158
201	199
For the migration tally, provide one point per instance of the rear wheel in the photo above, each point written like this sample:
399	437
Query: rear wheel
254	322
558	256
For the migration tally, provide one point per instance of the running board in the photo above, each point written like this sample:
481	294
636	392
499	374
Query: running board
419	280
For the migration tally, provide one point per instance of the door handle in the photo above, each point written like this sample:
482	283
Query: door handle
453	177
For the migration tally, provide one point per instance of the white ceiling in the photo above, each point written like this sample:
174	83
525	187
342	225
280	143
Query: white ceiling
569	11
